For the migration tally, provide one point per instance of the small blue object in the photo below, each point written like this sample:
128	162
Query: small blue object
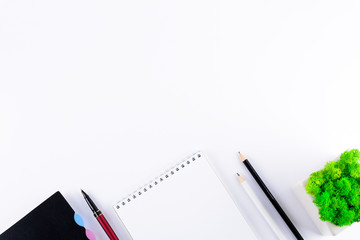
79	220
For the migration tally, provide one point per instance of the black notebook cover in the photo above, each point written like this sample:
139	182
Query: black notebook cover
51	220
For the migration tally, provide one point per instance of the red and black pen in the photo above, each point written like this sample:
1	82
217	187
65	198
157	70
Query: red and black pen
100	217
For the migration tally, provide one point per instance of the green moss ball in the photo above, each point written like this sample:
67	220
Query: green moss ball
336	189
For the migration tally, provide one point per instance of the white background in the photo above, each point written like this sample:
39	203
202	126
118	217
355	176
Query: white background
104	95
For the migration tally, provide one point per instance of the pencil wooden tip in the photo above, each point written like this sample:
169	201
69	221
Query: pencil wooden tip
242	157
241	179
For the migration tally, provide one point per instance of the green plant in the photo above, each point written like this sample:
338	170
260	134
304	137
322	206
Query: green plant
336	189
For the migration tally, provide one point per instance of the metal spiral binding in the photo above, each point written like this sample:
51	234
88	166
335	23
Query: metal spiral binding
157	181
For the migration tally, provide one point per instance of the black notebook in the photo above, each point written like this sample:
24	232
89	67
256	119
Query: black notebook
54	219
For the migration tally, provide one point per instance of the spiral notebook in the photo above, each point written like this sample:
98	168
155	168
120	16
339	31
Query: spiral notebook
186	202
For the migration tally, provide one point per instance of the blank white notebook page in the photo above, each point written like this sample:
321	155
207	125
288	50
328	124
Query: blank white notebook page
187	202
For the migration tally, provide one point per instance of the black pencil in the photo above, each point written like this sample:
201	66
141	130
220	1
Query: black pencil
270	197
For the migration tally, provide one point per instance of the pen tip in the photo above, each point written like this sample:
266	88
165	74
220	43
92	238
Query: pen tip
238	174
242	157
82	191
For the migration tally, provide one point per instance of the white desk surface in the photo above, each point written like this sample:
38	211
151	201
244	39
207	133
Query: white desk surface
103	95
